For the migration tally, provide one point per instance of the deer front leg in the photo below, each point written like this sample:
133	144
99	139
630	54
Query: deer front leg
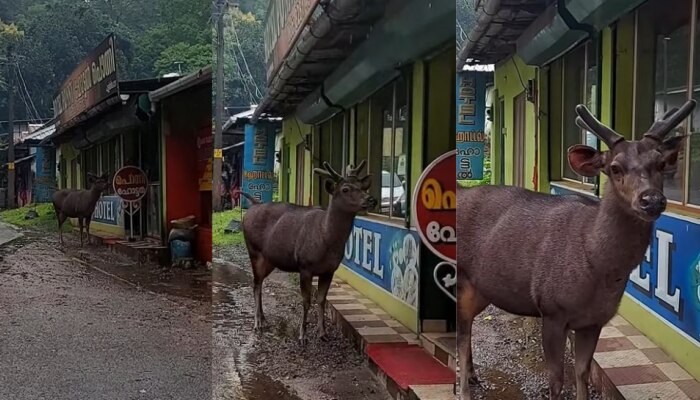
61	220
324	283
306	283
554	343
80	225
584	346
470	304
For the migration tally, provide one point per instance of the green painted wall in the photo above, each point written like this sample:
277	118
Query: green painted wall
293	133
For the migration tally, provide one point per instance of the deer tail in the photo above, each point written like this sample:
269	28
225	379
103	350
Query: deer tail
250	198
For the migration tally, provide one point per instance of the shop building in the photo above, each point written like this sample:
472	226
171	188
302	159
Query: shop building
161	126
378	87
628	62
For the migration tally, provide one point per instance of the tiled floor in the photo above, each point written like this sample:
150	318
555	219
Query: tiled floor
370	321
638	368
376	327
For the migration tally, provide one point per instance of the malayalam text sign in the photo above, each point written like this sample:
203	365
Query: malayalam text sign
92	81
130	183
258	163
471	120
434	205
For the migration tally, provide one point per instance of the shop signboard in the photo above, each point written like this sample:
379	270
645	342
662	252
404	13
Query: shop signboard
434	205
258	163
130	183
108	210
667	282
387	256
45	174
285	21
205	141
471	122
91	82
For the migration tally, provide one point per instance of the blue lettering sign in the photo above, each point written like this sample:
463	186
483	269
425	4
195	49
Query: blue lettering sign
386	256
258	163
108	210
471	122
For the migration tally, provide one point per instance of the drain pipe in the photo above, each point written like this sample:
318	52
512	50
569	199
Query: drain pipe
489	10
347	9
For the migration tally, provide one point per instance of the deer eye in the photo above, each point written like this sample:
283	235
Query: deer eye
615	169
345	189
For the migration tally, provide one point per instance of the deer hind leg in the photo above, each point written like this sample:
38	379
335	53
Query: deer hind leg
80	226
306	283
324	283
261	269
554	343
469	304
584	346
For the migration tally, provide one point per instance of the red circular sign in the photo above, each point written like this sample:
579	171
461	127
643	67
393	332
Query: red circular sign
434	206
130	183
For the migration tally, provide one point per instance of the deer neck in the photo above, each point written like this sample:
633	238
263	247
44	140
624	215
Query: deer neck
337	224
95	194
619	239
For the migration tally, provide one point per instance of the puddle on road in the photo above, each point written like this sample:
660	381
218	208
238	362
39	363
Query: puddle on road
230	318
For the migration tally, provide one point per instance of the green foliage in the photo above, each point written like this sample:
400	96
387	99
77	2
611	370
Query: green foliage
243	52
220	221
45	222
192	57
60	33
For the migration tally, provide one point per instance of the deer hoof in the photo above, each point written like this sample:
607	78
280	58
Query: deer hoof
324	337
474	381
303	341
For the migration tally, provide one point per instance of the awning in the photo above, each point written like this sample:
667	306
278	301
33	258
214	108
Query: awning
200	77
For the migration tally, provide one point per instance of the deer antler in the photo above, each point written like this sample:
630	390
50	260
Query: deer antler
328	171
351	170
671	119
591	123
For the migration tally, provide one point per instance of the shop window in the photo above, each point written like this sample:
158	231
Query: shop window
579	86
663	43
387	147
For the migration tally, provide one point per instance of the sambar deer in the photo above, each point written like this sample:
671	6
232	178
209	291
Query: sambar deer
565	259
80	204
306	240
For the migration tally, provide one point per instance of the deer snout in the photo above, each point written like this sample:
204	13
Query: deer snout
652	202
369	203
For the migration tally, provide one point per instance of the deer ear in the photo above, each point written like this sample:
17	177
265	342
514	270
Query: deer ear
329	185
669	151
366	182
585	160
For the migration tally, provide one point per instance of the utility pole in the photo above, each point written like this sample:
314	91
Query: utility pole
219	104
11	131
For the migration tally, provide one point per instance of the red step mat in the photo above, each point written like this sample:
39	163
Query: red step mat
409	365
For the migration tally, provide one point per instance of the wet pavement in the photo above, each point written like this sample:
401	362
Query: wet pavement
85	323
249	366
509	361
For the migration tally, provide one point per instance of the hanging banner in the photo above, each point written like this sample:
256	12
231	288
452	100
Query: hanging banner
471	121
258	163
434	205
205	140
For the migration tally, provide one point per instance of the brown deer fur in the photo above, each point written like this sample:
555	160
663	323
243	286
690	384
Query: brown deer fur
73	203
565	259
306	240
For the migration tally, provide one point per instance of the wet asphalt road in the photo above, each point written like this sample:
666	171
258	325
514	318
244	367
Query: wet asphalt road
68	331
248	366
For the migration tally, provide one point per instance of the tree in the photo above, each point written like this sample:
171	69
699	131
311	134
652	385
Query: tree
244	70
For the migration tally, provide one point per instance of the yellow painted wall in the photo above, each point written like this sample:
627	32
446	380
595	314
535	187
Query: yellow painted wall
293	133
510	78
